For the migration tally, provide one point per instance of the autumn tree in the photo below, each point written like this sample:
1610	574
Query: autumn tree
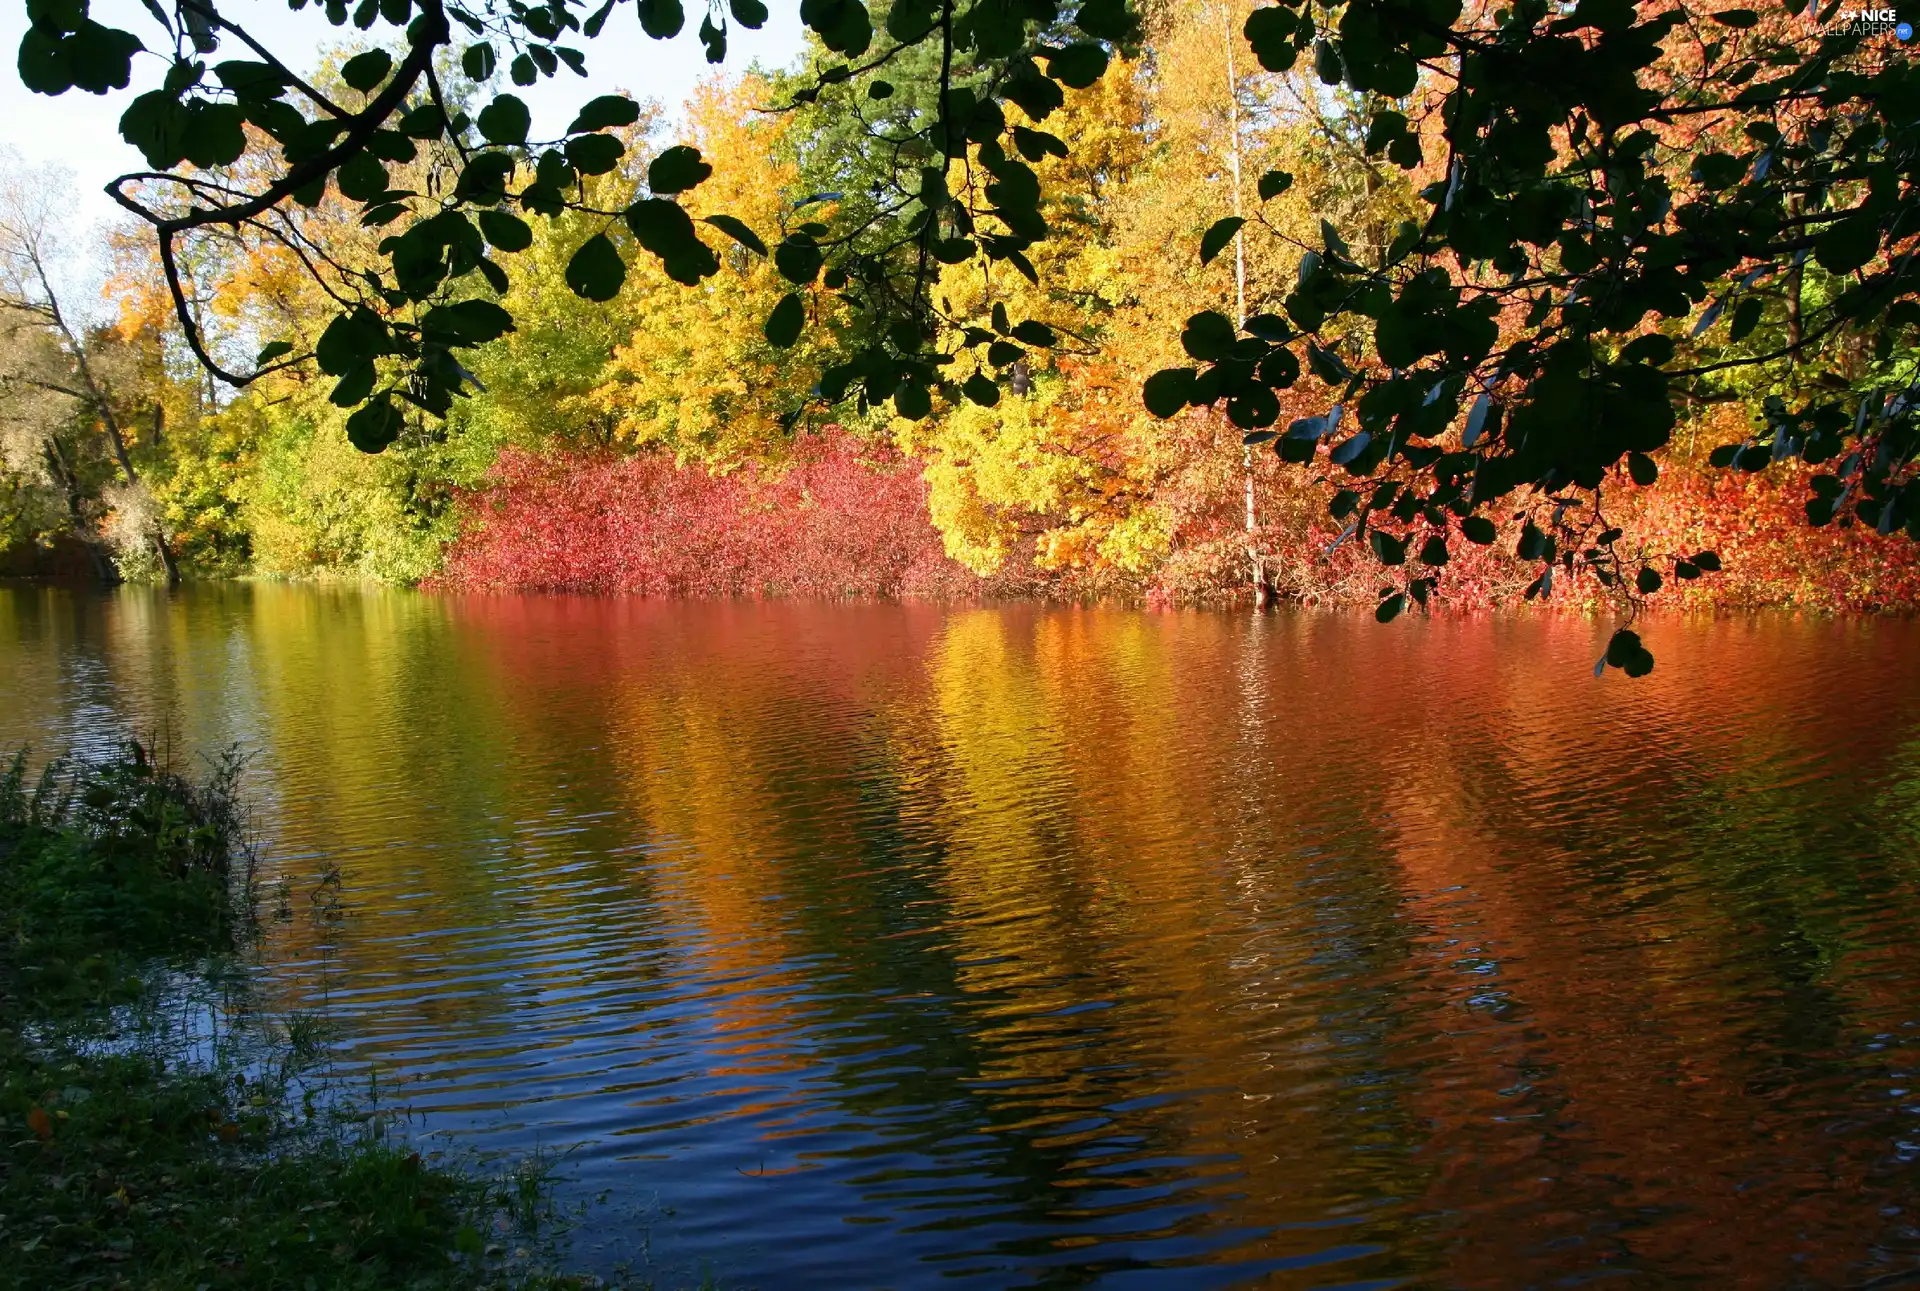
1599	189
70	392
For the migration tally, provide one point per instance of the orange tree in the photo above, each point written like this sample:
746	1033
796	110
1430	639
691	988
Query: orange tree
1611	184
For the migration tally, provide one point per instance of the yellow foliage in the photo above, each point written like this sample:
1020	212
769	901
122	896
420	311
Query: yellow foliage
697	375
1069	465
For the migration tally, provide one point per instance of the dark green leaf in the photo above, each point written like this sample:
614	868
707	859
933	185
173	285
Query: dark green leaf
594	154
353	386
467	322
1255	409
1208	336
609	111
596	271
1037	144
1326	62
1270	31
350	339
374	426
739	232
1274	182
1642	469
750	14
1647	580
1387	548
663	228
364	71
784	324
362	177
1349	450
1078	65
1107	20
1034	333
677	169
1216	238
661	19
508	232
1390	608
477	62
714	38
1848	245
1652	348
1166	391
1327	365
1622	646
912	401
798	259
1479	530
505	120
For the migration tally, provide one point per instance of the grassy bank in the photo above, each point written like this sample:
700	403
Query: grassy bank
124	1164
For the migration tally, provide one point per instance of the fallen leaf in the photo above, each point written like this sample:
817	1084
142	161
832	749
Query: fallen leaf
40	1123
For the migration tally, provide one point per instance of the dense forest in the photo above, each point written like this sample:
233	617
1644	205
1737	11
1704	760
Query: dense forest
662	441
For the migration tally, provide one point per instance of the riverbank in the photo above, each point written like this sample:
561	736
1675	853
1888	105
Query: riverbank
851	520
126	1159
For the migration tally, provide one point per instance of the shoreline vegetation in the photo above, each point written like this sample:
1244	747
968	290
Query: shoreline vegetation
128	1157
661	443
846	517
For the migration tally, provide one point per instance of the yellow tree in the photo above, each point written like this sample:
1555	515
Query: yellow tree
694	374
1061	469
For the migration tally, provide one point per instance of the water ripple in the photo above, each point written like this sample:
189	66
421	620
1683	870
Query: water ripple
893	946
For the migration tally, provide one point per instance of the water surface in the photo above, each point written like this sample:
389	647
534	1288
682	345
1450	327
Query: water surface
909	947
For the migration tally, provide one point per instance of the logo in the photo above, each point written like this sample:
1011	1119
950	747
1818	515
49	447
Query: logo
1875	22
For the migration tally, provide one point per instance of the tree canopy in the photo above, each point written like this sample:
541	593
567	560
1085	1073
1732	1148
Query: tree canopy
1615	212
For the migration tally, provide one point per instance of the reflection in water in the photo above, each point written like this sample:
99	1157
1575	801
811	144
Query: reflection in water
901	946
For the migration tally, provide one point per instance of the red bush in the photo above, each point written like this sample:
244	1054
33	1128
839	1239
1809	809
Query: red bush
843	519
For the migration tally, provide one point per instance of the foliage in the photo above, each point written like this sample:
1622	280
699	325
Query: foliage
842	520
1456	273
316	504
1609	173
401	324
124	853
697	372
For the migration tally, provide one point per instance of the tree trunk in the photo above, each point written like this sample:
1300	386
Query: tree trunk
69	484
1256	564
158	537
103	408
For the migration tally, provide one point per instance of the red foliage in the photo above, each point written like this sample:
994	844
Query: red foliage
843	519
1771	555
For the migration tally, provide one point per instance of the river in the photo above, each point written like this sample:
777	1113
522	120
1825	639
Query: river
859	946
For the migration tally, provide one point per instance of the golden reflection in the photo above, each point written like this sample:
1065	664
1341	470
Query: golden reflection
1422	935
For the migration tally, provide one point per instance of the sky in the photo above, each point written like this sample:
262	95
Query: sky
80	131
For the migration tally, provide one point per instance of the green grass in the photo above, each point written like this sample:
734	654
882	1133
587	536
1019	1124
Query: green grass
121	1165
